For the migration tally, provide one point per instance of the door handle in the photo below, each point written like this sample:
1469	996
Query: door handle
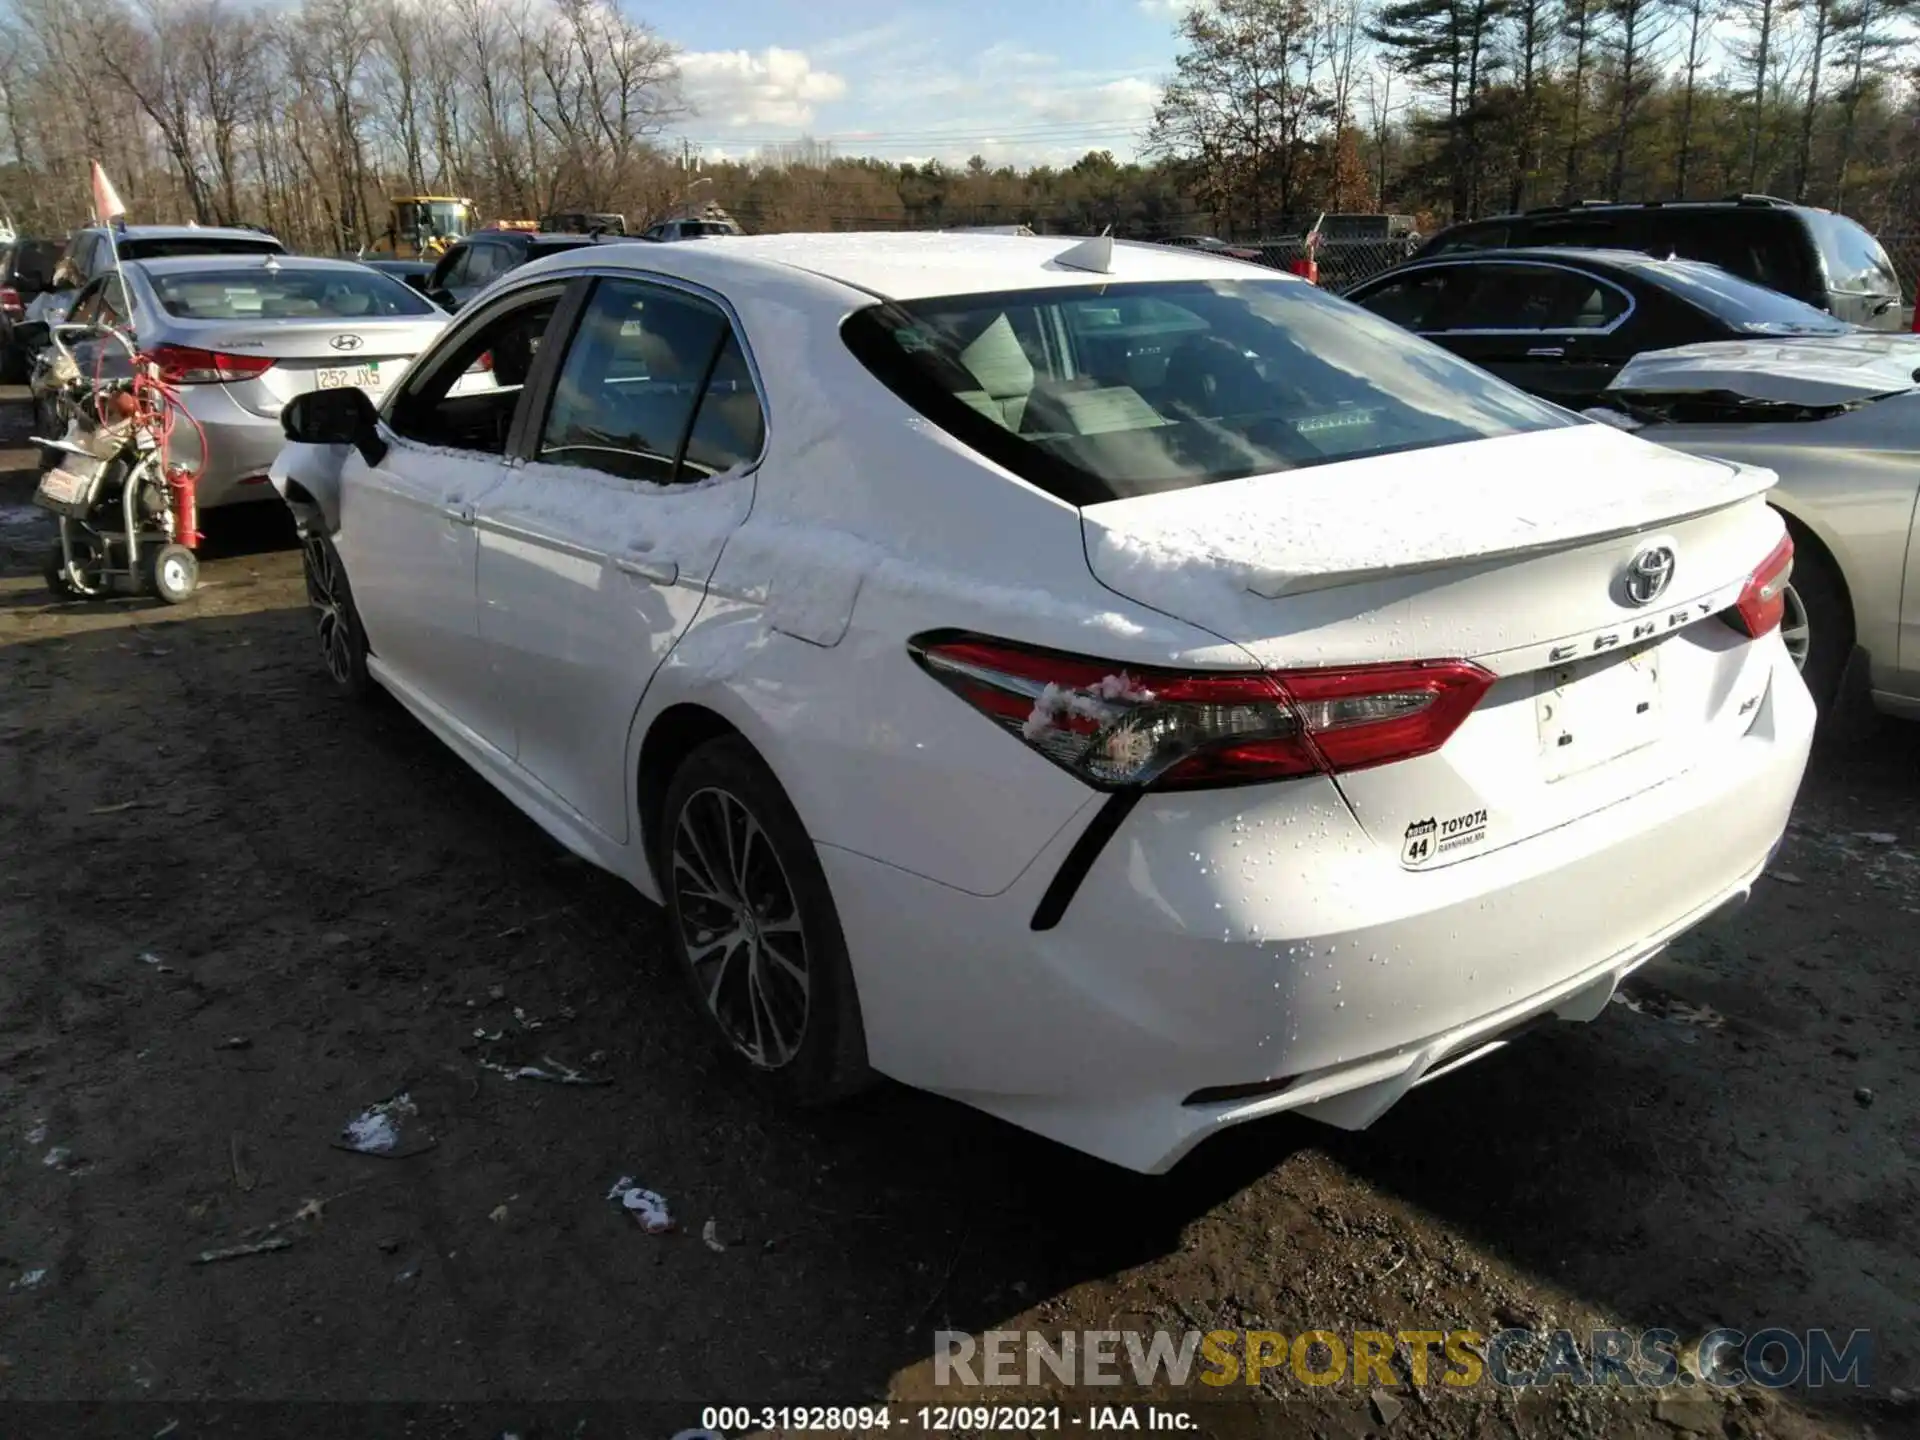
1548	352
657	572
458	512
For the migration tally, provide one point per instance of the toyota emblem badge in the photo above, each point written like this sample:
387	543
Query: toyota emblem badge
1648	575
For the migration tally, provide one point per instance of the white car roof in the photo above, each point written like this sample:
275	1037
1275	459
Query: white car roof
1815	370
913	265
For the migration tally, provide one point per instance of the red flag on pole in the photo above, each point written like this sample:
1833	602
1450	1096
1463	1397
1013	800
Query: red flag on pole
106	200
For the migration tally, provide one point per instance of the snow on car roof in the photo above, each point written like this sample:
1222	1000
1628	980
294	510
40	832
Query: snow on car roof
1811	370
913	265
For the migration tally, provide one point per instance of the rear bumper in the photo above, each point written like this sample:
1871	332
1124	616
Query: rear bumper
240	447
1227	939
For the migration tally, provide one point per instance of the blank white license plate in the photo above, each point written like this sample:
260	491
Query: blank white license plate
367	377
1596	711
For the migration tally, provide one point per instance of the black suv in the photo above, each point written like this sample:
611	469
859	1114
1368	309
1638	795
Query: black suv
1825	259
484	256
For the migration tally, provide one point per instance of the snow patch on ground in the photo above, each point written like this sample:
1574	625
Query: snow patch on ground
647	1207
376	1130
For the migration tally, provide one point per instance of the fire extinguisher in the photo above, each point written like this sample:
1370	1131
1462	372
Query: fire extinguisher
181	485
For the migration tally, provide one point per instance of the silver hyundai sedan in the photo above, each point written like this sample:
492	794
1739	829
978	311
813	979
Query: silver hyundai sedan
238	338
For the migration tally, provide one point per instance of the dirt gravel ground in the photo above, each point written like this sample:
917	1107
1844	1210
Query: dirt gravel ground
235	912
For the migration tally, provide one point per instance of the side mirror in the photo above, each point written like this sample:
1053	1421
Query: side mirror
32	334
335	417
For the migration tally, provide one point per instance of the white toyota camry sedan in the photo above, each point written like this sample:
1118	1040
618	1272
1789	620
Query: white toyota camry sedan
1118	687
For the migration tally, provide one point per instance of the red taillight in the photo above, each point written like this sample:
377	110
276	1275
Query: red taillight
184	365
10	302
1763	599
1126	726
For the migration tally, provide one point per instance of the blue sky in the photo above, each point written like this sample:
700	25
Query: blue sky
1043	80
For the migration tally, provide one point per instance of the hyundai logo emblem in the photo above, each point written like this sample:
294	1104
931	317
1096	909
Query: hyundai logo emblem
345	342
1648	575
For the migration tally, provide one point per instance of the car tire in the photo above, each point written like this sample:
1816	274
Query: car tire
753	926
1818	625
336	619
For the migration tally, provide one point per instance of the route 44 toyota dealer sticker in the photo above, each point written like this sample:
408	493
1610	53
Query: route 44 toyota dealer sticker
1427	840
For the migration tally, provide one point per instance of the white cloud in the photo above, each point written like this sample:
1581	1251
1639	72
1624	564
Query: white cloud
767	87
1126	101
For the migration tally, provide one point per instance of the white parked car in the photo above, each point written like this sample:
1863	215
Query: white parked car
1126	690
1838	418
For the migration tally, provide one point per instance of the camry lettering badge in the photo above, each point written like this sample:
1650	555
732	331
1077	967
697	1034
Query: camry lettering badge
1648	575
345	342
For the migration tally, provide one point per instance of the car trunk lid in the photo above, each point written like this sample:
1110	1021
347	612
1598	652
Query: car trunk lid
1515	553
311	354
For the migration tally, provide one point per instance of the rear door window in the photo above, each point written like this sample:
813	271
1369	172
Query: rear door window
1418	300
1534	297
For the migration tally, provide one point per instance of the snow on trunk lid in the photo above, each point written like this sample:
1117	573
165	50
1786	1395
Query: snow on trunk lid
1513	553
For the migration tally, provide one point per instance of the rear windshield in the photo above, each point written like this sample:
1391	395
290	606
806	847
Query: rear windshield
1109	391
540	248
1753	309
151	248
704	227
262	294
1856	262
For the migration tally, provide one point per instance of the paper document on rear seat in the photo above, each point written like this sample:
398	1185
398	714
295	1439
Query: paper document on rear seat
1330	524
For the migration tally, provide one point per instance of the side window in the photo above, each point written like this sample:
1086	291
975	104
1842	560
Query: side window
1416	301
728	428
484	262
464	396
625	395
1536	297
87	305
113	302
451	270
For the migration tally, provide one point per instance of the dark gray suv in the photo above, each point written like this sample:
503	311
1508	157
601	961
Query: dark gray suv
1814	255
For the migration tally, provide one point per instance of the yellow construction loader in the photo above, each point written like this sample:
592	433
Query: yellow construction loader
423	227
